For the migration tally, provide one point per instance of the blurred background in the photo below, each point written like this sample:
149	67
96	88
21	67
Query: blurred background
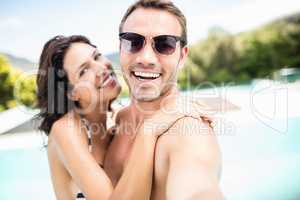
244	59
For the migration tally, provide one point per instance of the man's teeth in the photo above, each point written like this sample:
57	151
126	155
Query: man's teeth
147	74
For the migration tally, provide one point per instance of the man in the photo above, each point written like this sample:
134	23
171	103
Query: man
152	49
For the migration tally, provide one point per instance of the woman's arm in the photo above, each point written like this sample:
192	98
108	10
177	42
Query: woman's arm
71	148
136	181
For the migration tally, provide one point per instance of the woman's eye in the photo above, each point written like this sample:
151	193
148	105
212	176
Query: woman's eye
97	56
82	72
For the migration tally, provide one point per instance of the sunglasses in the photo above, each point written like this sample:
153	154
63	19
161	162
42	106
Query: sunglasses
162	44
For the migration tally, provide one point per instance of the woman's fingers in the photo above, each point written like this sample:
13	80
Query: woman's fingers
170	113
160	123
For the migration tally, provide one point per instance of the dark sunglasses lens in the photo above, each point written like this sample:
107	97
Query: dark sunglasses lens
132	42
165	44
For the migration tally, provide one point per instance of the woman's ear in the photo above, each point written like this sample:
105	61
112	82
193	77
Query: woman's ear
72	95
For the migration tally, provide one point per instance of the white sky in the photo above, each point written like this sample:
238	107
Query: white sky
26	25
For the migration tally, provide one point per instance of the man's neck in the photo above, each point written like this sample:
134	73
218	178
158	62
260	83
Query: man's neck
143	109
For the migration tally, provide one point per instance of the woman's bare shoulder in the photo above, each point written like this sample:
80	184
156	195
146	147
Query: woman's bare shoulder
64	129
64	187
66	122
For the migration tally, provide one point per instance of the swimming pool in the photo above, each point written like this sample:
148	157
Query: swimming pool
25	175
260	163
261	154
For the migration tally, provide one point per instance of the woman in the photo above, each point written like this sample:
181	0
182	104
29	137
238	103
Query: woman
76	86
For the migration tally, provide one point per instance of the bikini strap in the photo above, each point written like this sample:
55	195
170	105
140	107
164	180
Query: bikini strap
88	131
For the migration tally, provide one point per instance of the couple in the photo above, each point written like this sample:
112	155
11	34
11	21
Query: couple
155	150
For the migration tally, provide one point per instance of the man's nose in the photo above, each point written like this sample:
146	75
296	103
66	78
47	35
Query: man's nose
147	56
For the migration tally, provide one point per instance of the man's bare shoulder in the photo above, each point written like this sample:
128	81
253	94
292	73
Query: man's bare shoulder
193	137
193	160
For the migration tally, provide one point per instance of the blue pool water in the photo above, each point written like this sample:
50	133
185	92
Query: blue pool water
261	159
260	163
25	175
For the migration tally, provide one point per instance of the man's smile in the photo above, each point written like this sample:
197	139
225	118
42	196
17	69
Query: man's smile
145	76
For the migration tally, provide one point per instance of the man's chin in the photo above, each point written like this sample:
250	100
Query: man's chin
146	97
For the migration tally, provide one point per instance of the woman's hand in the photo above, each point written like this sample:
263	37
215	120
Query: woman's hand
159	123
162	120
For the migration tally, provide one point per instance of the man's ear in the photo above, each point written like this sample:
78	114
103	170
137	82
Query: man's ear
183	55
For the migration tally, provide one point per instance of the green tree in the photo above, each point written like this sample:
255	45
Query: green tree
15	86
223	57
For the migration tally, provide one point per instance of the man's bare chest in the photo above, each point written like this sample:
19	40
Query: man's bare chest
119	153
117	156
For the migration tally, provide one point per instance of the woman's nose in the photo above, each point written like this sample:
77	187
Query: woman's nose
107	63
99	72
102	70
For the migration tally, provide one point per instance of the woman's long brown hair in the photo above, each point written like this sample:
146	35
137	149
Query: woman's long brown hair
52	81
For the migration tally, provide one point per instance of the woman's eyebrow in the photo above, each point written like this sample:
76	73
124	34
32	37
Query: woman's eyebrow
83	64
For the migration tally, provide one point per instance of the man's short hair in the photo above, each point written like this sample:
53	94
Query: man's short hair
164	5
